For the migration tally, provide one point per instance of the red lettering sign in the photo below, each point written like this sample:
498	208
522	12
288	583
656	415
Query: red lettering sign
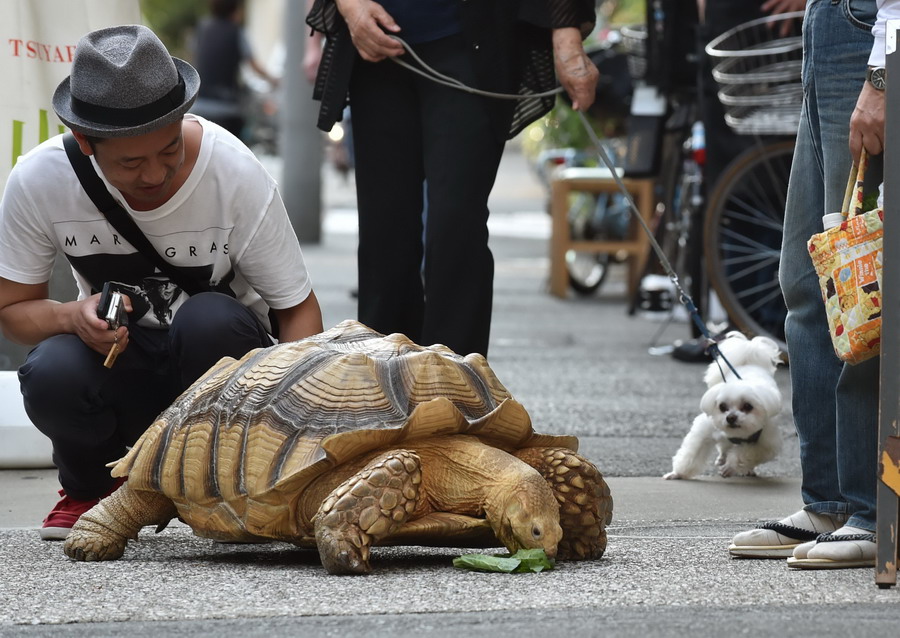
42	52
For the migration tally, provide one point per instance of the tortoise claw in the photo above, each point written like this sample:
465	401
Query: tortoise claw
340	556
103	531
87	544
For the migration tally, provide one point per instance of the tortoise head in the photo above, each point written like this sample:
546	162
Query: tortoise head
530	518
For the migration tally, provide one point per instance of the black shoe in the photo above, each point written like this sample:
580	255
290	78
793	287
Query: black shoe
692	351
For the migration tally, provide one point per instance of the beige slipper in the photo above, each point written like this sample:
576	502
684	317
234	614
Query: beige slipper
847	547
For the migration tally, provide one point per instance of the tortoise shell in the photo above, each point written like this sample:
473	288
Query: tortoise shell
236	449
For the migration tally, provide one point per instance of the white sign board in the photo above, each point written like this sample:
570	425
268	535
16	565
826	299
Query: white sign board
37	42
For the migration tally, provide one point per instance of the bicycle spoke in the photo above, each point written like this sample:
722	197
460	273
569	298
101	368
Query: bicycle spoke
763	192
756	217
762	302
744	256
757	265
777	179
731	234
747	253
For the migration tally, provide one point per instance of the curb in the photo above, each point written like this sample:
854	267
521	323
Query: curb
23	445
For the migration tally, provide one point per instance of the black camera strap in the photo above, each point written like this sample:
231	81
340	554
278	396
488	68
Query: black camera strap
119	217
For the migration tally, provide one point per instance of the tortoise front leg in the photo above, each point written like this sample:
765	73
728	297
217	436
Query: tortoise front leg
365	508
102	532
585	505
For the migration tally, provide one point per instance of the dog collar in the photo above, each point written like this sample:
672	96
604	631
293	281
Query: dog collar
753	438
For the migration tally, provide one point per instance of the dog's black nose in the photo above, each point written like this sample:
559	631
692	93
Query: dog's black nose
731	419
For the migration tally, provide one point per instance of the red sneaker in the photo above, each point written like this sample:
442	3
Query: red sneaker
63	516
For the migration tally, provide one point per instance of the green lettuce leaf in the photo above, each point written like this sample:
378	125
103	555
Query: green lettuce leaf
524	560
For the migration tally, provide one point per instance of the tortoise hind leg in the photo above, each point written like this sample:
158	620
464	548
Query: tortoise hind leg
102	532
365	508
585	505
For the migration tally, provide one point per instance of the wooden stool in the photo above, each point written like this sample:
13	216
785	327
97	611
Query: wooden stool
597	180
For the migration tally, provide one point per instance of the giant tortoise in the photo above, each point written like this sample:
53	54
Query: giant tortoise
347	440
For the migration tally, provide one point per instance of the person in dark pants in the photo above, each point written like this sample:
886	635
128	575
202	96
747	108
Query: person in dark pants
206	206
408	130
92	421
220	48
723	144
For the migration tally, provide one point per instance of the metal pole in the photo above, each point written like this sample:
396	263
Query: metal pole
888	514
299	139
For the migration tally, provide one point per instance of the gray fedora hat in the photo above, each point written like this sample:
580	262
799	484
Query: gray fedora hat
124	83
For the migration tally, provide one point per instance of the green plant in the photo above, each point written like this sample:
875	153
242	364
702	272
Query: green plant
563	128
173	20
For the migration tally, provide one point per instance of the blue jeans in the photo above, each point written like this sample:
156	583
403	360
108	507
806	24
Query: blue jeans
92	413
835	406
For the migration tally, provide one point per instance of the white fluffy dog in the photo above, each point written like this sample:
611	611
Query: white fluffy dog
737	414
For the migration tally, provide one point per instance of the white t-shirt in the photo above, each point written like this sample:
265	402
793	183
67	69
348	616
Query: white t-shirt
887	10
226	225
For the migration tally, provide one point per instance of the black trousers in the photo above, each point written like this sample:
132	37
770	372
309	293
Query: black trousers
91	413
409	131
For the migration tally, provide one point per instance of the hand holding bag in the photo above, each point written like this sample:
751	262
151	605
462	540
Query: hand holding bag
848	261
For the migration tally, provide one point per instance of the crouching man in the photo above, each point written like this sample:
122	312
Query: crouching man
194	234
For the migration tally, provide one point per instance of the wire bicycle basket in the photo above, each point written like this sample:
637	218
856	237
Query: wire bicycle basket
758	68
634	44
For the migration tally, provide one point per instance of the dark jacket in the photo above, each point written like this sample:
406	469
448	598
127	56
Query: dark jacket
510	44
218	59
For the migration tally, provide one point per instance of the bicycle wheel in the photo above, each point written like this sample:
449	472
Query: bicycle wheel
742	238
587	271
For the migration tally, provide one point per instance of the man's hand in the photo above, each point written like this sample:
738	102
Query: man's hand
28	316
574	68
365	19
867	123
94	331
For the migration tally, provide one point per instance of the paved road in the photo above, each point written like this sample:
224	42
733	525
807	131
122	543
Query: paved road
579	366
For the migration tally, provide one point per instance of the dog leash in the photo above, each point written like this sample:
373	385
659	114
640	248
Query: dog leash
683	296
430	73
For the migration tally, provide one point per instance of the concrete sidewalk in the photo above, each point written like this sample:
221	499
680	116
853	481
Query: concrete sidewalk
579	366
27	495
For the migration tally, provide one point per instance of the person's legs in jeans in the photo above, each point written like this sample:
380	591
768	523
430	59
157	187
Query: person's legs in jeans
814	371
834	405
90	412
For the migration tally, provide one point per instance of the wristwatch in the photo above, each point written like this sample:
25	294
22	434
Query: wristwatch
876	77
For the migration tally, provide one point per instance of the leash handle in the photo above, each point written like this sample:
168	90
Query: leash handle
432	74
